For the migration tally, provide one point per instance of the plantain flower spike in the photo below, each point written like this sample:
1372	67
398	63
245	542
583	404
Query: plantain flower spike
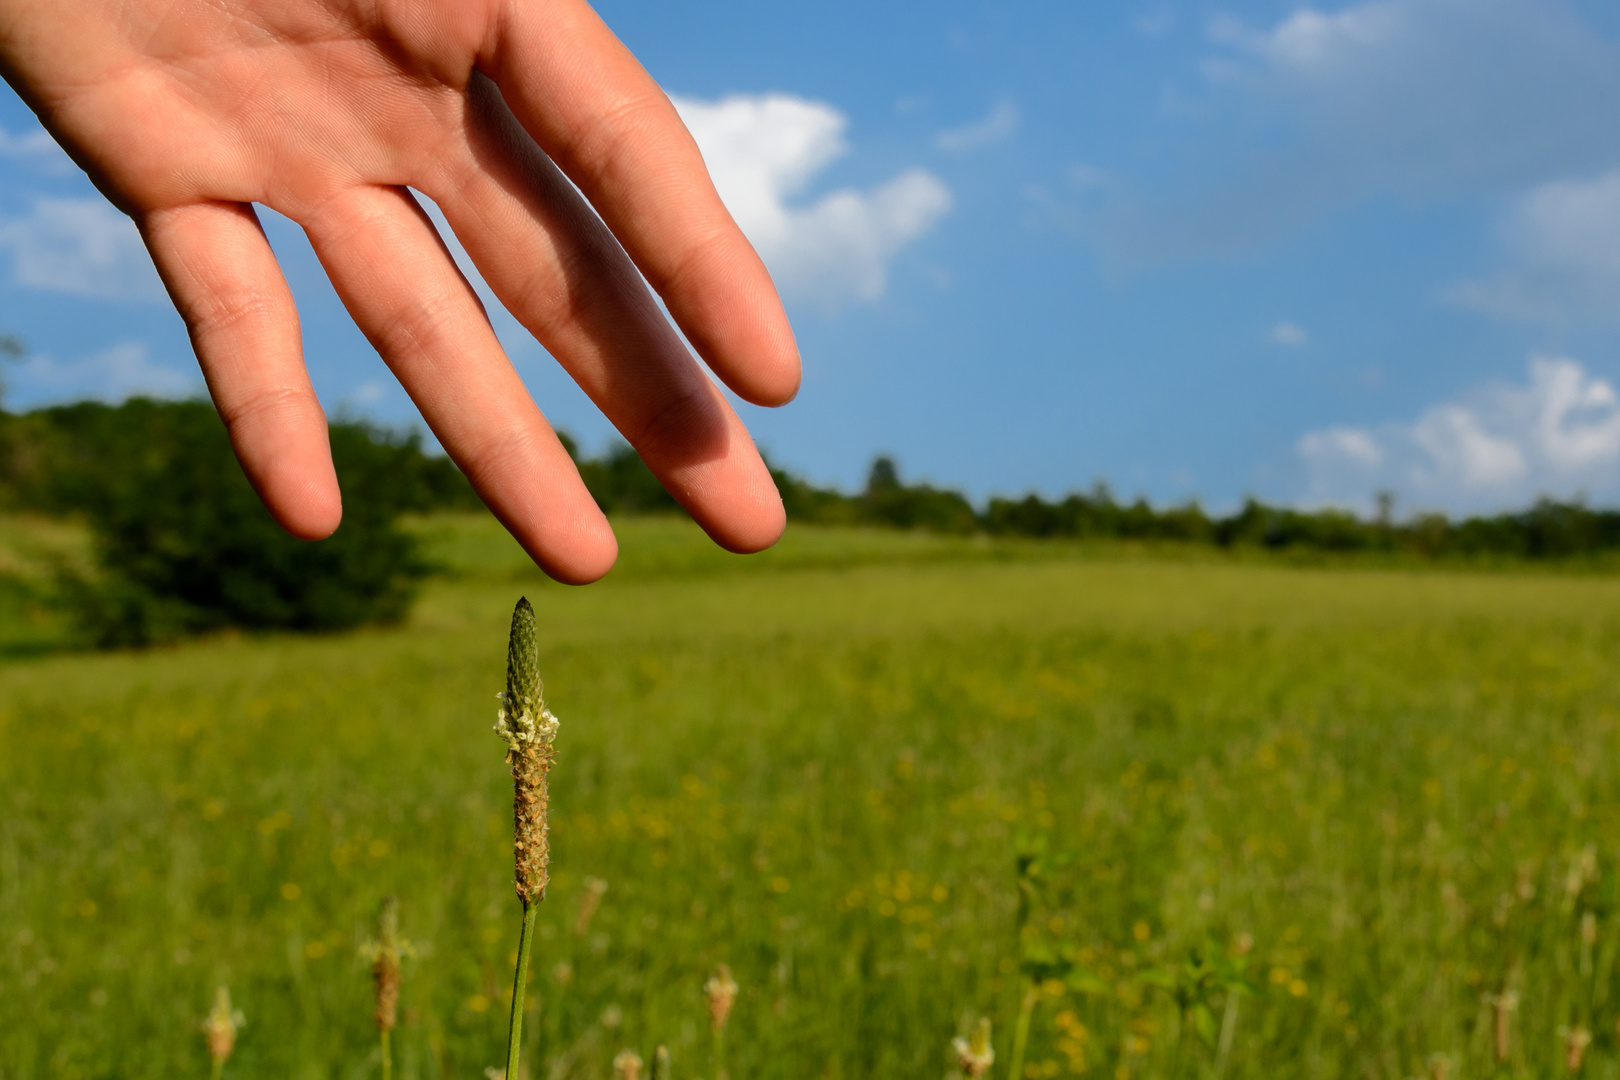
627	1065
530	732
220	1028
721	990
1576	1040
1503	1006
385	966
660	1066
975	1055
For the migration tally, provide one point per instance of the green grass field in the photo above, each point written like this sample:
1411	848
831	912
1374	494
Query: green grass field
1393	792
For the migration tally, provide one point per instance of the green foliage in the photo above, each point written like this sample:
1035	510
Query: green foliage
1373	798
1095	515
887	501
621	483
811	505
183	543
11	349
1547	530
78	458
59	460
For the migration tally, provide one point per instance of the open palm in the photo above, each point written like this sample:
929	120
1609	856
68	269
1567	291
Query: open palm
509	114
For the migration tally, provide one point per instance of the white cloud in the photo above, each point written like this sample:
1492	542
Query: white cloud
1342	444
1557	434
1435	96
999	123
1415	99
37	148
80	246
1067	209
1563	239
369	393
1461	450
762	152
1313	43
123	371
1157	23
1290	334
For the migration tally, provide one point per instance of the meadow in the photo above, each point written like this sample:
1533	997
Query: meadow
1228	817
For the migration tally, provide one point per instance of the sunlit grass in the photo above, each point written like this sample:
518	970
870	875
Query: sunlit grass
1398	787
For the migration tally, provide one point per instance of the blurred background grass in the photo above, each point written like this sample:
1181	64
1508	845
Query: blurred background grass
818	765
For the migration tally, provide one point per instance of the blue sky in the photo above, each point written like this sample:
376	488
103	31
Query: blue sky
1194	249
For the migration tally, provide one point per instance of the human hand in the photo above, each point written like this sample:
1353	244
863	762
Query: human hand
185	112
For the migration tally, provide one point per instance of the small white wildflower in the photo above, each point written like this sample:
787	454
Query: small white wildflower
520	728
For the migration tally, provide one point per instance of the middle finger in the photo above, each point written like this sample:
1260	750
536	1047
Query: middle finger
554	264
400	284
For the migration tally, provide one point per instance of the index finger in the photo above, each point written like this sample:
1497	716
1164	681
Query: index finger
598	114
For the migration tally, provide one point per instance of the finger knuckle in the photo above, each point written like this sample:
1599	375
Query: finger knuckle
499	459
620	132
418	329
265	406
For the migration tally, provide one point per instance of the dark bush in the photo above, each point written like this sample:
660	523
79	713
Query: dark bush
68	458
183	541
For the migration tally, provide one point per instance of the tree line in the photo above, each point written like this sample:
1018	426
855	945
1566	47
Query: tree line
1546	530
183	545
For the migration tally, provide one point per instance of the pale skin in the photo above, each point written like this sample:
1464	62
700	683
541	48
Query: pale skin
187	112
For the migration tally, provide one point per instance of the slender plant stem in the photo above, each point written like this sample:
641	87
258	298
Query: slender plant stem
720	1053
1021	1032
219	1067
387	1056
514	1039
1223	1048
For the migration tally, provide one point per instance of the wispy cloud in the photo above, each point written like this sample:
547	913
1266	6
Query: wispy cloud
80	246
1156	23
763	151
994	127
1290	334
369	393
1563	241
1419	99
1085	177
126	370
1498	445
1311	42
38	149
1433	96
